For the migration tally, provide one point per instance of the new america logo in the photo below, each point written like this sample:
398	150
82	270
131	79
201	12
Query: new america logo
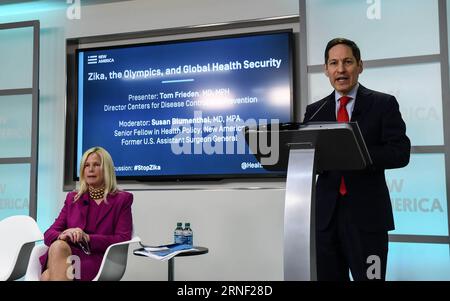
99	59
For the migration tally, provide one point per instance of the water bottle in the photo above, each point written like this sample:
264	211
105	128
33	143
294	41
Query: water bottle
178	234
188	237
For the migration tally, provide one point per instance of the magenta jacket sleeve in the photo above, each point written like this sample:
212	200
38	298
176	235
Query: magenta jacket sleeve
121	223
60	223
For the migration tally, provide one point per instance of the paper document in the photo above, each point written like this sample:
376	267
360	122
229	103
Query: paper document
163	252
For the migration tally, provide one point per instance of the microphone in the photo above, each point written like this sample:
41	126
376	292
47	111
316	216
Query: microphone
85	202
317	111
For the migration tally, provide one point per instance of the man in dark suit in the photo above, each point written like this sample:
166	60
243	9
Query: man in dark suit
353	208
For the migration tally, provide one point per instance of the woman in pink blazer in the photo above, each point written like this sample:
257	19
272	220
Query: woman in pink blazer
94	217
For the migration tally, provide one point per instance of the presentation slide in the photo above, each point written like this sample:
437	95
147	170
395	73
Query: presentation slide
177	109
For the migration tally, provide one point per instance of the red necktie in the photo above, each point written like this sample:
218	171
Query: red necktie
342	116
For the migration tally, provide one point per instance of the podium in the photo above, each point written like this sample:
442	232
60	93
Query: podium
304	150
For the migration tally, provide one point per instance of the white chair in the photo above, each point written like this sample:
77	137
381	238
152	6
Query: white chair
18	234
112	268
114	261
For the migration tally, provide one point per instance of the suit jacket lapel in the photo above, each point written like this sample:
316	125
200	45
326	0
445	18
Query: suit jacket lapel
107	206
362	103
83	206
330	108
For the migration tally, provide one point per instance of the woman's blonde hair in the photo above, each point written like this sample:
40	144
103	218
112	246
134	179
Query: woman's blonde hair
107	166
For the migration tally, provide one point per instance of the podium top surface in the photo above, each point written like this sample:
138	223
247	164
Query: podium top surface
339	146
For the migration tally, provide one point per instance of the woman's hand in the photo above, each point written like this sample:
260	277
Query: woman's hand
74	235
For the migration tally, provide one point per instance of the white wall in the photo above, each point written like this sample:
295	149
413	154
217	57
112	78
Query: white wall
155	14
243	228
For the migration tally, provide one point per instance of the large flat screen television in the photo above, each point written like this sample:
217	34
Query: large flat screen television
175	110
